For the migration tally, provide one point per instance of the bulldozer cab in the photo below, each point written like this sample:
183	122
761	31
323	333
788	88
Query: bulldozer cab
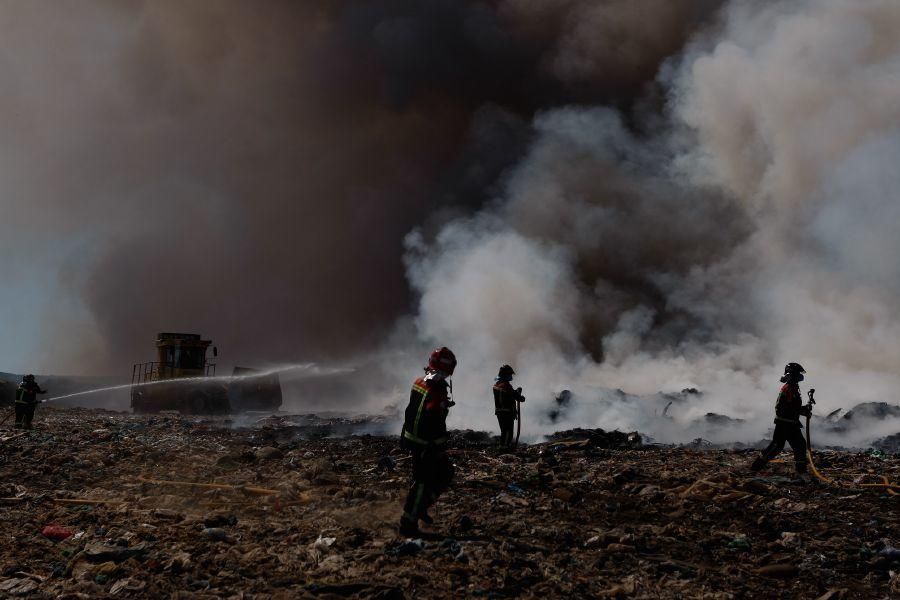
179	355
182	355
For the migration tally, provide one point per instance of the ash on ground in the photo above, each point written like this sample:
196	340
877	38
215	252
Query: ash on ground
99	504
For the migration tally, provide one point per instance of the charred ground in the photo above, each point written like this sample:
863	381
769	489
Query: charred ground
299	512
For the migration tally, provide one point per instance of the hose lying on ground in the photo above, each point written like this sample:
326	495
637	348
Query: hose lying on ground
886	484
213	486
6	418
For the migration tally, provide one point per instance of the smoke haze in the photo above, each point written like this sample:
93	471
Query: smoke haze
755	227
648	196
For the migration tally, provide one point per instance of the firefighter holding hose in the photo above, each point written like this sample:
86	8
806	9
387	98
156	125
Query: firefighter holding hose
26	401
788	410
425	434
506	404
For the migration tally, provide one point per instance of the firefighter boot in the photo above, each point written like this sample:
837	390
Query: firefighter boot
28	417
408	526
758	464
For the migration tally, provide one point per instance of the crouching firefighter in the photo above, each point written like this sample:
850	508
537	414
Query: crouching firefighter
26	400
788	410
425	434
506	404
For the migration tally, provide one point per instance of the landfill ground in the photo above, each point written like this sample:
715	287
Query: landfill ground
283	511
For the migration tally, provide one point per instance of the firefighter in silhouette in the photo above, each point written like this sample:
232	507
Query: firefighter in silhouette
788	410
26	400
425	434
506	404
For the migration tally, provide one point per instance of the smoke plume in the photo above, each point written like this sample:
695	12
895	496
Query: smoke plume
251	172
621	199
753	227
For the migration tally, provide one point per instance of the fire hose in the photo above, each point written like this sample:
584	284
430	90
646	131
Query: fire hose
519	416
212	486
809	457
886	484
518	422
6	418
13	411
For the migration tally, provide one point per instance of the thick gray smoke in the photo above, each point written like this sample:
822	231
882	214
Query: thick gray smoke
246	172
756	227
646	196
250	172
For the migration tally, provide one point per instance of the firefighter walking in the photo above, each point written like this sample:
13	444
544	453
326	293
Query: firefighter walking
788	410
506	404
425	434
26	400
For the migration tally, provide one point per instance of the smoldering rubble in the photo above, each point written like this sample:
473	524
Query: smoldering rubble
183	507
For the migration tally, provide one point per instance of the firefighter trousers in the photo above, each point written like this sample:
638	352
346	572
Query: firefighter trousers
784	432
432	474
507	422
24	414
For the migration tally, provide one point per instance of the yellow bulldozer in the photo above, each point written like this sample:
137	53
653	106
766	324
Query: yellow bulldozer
182	379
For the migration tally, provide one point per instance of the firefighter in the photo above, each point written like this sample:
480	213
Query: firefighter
788	410
26	400
425	435
506	401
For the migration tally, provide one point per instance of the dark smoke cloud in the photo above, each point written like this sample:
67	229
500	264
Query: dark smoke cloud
250	171
753	223
611	49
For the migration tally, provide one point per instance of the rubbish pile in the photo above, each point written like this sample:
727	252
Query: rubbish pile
98	504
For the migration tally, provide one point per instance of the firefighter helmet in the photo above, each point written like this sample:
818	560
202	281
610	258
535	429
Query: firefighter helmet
506	372
443	360
793	368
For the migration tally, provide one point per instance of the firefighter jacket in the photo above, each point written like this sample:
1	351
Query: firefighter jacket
27	392
789	406
505	398
426	415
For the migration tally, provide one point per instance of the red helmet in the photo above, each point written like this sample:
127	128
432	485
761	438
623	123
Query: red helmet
442	360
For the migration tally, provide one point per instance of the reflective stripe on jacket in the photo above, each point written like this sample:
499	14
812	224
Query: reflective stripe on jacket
425	418
27	393
505	398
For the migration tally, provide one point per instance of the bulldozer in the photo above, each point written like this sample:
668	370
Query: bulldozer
183	379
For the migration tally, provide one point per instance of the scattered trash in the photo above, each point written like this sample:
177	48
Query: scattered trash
406	548
778	570
387	463
56	533
129	584
214	521
217	535
171	506
740	543
269	453
464	524
515	489
18	587
99	552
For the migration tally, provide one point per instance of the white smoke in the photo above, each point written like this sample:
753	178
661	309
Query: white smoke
757	227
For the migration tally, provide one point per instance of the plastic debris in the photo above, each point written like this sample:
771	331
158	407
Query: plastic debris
406	548
174	507
56	533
